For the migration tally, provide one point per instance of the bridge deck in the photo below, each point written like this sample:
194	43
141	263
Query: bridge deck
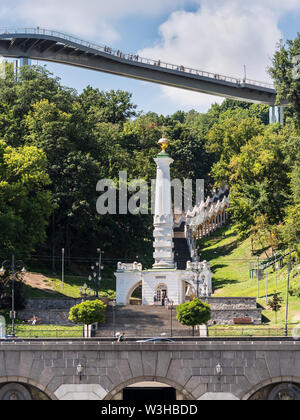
51	46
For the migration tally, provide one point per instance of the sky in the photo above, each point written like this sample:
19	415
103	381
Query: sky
221	36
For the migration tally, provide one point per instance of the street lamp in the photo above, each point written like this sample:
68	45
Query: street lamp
287	295
13	265
171	308
276	271
79	370
197	269
197	279
219	371
114	304
96	276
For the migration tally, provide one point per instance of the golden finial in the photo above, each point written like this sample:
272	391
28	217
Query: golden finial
164	143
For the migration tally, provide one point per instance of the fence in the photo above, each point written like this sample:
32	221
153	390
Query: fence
249	332
47	332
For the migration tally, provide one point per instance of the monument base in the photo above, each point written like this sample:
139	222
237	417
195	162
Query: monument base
156	286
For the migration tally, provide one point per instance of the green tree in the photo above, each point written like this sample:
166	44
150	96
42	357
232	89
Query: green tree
227	137
6	291
88	313
291	228
275	304
25	200
194	313
260	180
112	107
18	93
286	75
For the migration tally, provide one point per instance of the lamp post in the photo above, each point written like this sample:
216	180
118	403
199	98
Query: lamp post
258	273
276	271
287	296
63	268
266	288
114	304
96	276
171	323
79	371
197	278
13	265
219	371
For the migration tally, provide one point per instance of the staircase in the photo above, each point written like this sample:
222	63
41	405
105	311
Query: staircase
155	321
182	253
181	248
142	321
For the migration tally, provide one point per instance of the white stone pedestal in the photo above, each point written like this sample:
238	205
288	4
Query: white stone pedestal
169	282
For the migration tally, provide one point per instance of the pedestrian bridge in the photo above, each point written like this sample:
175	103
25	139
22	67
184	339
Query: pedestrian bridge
100	370
46	45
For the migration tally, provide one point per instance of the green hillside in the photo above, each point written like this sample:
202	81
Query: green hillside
230	260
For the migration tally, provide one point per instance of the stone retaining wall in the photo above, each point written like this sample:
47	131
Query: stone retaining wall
224	310
50	311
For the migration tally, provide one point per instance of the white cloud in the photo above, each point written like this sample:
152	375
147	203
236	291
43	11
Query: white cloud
221	37
94	19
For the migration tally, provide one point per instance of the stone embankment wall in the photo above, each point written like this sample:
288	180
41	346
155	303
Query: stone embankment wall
224	310
50	311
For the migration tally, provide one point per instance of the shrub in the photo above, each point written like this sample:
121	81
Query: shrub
194	313
88	313
295	291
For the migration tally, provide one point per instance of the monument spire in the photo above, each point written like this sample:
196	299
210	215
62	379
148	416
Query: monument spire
163	218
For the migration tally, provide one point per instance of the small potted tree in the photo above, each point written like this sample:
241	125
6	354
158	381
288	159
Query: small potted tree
88	313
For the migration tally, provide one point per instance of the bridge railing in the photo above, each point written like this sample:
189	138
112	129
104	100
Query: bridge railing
135	57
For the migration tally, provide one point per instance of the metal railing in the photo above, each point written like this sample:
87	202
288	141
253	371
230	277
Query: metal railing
135	57
213	332
249	332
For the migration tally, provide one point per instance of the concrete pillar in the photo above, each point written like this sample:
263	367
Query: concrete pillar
272	115
25	61
281	114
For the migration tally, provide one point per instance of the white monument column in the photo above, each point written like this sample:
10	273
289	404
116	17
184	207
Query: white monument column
163	218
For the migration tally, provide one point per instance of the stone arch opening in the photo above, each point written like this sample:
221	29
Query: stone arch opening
26	390
149	389
282	388
134	295
161	293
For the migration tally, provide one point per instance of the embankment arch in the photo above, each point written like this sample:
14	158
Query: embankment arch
117	392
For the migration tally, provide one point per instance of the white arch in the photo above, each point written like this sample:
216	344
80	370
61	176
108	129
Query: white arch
131	290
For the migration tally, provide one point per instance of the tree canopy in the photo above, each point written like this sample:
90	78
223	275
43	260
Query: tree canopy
56	144
194	313
88	313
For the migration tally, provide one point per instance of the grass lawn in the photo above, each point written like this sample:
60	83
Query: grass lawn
230	259
71	287
46	331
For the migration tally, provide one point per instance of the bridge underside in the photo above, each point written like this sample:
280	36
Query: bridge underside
59	50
